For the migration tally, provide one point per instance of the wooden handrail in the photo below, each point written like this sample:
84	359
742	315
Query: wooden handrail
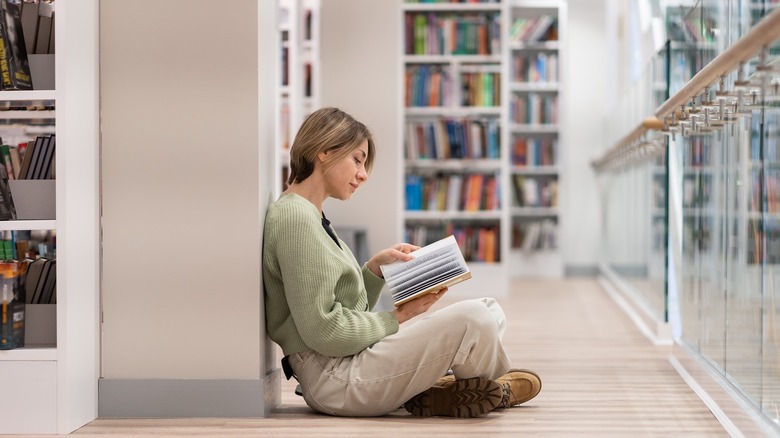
648	124
762	34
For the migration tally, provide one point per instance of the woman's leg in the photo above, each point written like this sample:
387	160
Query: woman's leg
464	337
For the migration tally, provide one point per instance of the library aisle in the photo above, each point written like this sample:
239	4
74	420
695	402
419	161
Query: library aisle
601	377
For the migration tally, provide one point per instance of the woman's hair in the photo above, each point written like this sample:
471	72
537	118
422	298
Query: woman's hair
327	130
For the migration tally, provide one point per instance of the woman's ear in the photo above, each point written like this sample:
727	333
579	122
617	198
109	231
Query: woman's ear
322	156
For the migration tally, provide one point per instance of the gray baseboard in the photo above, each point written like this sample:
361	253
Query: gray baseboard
580	270
188	398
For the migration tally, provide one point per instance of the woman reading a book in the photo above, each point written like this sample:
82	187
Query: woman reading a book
348	359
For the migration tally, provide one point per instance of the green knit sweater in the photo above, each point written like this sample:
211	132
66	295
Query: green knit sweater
317	297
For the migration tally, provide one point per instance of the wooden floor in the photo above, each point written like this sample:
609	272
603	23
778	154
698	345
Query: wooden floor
601	378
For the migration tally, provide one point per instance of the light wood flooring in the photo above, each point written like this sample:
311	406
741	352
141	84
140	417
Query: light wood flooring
601	378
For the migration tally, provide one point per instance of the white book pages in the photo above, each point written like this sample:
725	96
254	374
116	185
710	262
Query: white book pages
434	267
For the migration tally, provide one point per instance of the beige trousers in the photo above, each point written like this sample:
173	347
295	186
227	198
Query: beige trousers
464	337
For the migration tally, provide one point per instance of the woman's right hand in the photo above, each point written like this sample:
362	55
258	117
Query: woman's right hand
418	306
396	252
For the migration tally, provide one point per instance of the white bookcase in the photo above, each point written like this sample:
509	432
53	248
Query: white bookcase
527	63
534	96
452	129
299	76
50	385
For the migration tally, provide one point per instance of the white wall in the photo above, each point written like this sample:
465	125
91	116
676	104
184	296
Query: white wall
180	194
586	89
360	43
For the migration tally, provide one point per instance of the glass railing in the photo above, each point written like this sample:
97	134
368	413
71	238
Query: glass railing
704	212
633	185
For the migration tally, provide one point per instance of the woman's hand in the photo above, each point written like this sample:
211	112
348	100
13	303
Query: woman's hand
418	306
396	252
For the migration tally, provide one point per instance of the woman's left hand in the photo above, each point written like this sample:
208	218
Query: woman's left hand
396	252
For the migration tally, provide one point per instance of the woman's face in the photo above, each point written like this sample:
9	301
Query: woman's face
344	178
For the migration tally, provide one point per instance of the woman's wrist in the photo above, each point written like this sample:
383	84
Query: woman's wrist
374	268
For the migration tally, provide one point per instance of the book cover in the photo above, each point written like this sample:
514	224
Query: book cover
49	286
40	285
14	65
7	208
34	273
12	305
36	163
5	151
47	159
29	25
27	153
45	23
434	267
16	160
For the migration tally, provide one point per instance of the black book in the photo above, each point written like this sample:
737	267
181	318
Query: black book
49	286
36	161
47	159
34	274
40	285
14	65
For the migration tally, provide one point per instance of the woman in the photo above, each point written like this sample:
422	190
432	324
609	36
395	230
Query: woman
349	360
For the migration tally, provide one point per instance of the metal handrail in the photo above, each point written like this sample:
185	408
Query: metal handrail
623	147
762	34
759	36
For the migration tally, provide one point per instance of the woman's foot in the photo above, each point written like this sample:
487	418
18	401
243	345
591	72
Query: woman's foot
519	385
460	398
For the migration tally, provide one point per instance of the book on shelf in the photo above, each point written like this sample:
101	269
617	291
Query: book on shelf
532	30
14	64
12	304
41	281
36	165
38	159
433	268
44	170
7	207
48	286
44	41
5	152
535	235
29	150
16	159
29	24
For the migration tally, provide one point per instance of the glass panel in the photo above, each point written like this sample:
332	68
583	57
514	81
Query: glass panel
719	206
743	296
766	141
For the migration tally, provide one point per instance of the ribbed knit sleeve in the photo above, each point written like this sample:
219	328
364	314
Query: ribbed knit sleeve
315	292
374	286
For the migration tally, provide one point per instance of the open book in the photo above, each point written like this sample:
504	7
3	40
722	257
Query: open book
433	268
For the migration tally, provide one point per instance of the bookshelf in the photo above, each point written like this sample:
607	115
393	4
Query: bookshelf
54	384
534	95
299	78
452	77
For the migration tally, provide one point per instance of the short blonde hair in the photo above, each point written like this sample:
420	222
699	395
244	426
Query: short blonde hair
327	130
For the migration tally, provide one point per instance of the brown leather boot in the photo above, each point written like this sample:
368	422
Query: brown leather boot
519	385
460	398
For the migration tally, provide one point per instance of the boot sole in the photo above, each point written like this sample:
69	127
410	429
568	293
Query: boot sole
463	398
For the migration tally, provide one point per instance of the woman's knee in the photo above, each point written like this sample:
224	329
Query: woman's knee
479	313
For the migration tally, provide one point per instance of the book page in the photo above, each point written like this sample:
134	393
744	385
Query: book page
434	267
